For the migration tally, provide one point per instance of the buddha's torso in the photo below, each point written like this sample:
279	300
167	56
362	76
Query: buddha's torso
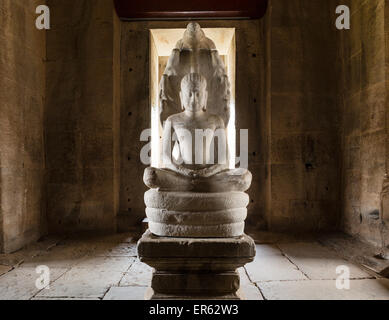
195	136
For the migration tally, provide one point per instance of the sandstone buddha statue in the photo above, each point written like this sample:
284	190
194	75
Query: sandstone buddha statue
196	206
194	193
196	130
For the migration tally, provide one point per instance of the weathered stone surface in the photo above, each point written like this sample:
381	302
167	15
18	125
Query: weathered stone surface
14	259
304	141
59	256
94	276
357	251
4	269
193	283
126	293
197	217
139	274
22	83
188	201
19	284
152	295
271	238
115	250
266	250
318	262
272	268
83	283
151	246
363	61
249	290
192	214
114	264
65	299
201	267
375	289
79	118
197	231
78	95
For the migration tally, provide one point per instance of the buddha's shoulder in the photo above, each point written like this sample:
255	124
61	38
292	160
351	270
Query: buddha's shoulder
216	119
174	118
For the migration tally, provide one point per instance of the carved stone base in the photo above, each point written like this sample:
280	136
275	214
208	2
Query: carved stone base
195	268
152	295
196	214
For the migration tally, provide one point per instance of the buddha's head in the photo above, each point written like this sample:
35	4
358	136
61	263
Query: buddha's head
193	30
194	93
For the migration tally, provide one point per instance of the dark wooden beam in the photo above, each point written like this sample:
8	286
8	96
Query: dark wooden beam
184	9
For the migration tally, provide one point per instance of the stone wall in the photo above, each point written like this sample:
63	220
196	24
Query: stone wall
286	97
22	161
362	103
305	174
80	117
312	97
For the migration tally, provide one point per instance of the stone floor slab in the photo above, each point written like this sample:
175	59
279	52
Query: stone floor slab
126	237
266	250
19	284
248	289
268	237
126	293
63	256
272	268
14	259
139	274
4	269
251	292
93	268
366	289
97	263
83	283
115	250
244	279
319	263
356	250
54	299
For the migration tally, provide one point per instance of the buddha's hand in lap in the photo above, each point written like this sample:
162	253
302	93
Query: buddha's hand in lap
203	180
166	178
210	171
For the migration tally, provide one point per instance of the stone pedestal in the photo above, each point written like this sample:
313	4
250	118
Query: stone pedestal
195	268
196	214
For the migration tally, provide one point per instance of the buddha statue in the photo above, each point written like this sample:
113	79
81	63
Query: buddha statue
195	171
194	193
196	205
191	196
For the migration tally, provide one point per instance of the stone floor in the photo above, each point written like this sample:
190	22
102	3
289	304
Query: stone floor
106	268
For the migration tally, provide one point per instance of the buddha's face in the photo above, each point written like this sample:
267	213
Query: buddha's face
193	30
194	96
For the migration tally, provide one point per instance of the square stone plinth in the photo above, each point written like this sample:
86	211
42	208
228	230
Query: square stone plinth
186	268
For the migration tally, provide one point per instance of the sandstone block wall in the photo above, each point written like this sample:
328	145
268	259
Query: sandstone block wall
22	92
80	118
363	107
76	98
305	145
